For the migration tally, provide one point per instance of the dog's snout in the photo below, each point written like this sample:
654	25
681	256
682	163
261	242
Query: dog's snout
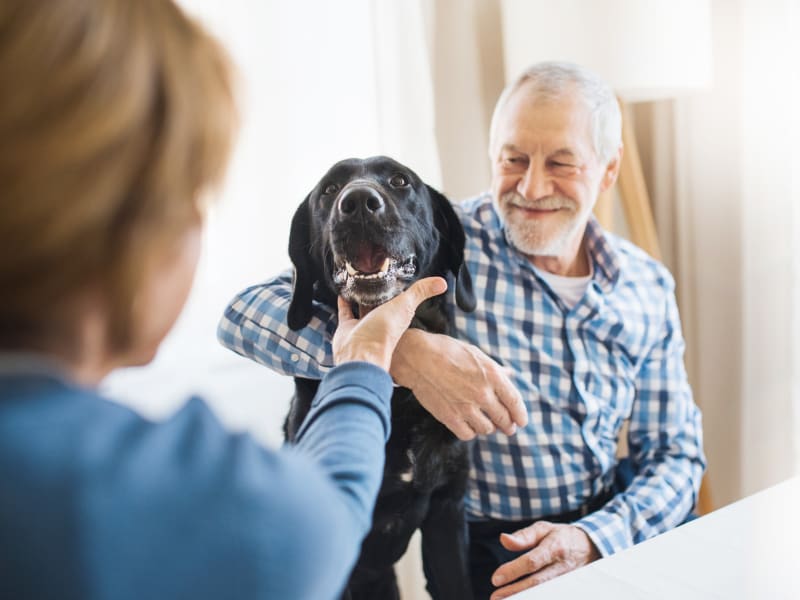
361	199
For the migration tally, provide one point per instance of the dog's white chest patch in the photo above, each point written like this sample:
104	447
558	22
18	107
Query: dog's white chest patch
408	475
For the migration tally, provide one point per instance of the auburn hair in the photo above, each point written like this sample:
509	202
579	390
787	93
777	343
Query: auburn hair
115	116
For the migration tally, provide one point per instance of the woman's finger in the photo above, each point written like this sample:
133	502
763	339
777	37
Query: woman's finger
345	310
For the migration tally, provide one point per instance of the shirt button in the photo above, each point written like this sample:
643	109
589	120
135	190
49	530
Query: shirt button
295	357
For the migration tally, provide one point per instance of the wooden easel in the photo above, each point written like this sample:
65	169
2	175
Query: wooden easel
641	226
633	194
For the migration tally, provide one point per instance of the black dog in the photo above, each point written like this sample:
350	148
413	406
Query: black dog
366	232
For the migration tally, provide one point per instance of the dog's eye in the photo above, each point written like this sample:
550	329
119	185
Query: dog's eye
331	189
397	180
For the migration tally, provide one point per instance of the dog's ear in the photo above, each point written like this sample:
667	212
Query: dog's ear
305	271
451	247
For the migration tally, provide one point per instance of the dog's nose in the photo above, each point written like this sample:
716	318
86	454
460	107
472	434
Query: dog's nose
361	199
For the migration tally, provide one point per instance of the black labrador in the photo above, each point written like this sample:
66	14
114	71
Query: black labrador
367	231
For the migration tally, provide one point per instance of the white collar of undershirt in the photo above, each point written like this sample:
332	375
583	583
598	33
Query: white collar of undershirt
569	289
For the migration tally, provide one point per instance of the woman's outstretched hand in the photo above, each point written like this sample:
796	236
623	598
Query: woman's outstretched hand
374	336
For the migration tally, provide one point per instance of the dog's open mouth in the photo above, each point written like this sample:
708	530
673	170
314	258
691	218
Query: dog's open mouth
371	266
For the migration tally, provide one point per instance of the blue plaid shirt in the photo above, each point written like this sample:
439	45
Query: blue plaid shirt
616	355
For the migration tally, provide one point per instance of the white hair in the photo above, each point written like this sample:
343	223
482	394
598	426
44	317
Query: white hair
551	81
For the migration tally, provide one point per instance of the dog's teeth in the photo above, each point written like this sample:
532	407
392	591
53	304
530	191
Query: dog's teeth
386	262
350	269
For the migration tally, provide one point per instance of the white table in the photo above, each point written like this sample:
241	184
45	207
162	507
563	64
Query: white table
749	549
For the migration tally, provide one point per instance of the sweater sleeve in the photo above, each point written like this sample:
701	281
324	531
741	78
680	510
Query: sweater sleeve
190	510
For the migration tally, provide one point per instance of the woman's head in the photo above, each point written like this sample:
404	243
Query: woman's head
115	116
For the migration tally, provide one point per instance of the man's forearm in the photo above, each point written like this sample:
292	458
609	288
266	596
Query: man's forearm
255	325
458	384
411	345
654	502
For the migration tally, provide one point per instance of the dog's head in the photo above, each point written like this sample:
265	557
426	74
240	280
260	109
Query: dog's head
367	231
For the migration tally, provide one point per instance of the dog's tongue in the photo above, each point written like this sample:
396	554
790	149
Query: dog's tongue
369	258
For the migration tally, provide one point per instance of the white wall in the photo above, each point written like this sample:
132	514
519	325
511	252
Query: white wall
709	135
771	248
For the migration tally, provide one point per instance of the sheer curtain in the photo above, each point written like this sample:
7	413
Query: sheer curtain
771	205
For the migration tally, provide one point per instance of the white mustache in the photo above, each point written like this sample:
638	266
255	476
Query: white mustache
550	203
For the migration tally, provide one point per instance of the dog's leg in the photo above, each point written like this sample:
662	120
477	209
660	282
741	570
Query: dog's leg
382	587
304	392
444	547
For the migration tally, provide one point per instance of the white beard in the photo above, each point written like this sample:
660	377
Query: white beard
534	238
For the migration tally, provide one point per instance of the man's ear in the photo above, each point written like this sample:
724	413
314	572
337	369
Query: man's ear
451	248
305	273
612	170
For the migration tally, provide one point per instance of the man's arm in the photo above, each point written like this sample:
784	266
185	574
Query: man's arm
665	443
255	325
457	383
666	448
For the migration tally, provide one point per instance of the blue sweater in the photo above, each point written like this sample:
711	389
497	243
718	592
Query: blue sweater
97	502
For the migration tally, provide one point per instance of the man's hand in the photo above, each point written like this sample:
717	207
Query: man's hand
555	549
373	337
458	384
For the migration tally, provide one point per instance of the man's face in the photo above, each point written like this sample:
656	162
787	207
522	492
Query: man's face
546	176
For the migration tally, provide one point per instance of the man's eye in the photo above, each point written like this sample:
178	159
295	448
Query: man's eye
397	180
331	189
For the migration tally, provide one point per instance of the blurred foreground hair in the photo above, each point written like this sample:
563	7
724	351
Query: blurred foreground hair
115	117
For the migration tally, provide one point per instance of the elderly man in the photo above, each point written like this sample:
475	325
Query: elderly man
575	332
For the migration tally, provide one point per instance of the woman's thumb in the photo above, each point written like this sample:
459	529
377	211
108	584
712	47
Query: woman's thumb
345	310
425	288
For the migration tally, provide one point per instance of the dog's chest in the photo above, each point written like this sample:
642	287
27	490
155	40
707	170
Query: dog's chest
421	453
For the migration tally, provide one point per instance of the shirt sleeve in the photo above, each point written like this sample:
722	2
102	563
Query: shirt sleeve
255	325
666	448
200	509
